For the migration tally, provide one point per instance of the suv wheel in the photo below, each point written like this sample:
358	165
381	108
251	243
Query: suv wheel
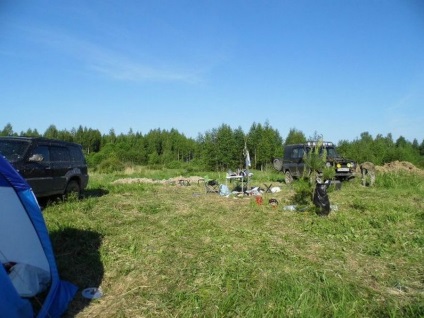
288	177
73	189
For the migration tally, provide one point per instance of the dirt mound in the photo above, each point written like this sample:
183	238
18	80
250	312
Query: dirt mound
397	166
176	180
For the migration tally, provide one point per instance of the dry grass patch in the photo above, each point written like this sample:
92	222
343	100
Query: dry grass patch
161	250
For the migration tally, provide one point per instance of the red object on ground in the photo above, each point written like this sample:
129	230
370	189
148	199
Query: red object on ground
259	200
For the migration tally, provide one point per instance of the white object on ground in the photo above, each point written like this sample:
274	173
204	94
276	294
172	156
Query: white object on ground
92	293
275	189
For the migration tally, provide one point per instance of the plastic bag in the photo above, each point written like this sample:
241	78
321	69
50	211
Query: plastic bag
223	190
321	200
29	280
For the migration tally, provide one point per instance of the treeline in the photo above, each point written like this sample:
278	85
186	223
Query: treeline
219	149
381	150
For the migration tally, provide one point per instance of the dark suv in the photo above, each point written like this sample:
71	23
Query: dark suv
51	167
293	166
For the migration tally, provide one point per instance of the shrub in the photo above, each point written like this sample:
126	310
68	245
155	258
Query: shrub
303	192
174	165
110	165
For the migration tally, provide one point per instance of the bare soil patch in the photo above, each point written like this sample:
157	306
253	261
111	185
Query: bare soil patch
175	180
397	166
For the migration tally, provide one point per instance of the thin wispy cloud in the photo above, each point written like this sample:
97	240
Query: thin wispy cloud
110	63
248	61
119	68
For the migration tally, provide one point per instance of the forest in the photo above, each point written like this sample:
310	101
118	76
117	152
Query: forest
218	149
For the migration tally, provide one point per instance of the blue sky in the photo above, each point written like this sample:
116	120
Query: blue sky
338	68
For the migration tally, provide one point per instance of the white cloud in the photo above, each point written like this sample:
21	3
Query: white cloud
110	63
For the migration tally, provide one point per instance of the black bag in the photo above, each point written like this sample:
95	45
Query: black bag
321	199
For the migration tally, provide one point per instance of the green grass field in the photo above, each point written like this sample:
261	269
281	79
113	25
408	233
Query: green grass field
163	250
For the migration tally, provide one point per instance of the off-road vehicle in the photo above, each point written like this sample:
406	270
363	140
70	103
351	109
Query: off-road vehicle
293	166
51	167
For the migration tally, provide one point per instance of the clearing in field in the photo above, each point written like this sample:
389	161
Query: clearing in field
160	249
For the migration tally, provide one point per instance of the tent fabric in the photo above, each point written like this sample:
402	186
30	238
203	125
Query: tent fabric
11	304
24	238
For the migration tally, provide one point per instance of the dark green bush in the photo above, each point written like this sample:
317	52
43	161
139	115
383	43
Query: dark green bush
174	165
303	192
110	165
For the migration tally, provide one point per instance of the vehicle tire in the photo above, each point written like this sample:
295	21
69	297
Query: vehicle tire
278	164
288	177
73	189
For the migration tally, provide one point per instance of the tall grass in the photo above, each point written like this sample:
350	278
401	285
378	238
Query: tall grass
160	250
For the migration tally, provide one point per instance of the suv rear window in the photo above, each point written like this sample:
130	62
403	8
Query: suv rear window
13	150
297	153
59	154
76	154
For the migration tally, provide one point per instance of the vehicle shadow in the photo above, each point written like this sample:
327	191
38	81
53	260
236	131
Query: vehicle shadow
94	193
79	262
89	193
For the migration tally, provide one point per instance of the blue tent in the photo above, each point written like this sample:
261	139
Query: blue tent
24	239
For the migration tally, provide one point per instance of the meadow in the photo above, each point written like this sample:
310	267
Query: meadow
165	250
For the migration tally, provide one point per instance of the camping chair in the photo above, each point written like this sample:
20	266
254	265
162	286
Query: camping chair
211	186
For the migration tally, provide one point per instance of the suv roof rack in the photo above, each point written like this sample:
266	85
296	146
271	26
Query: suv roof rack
313	143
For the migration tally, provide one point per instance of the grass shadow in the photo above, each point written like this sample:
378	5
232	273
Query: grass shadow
78	260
